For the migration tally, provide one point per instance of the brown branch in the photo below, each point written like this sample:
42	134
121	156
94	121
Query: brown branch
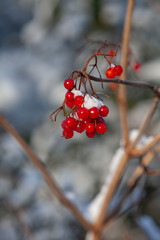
146	160
121	94
50	181
138	152
153	88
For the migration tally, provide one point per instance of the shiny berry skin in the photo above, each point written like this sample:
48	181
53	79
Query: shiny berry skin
101	128
90	127
136	66
71	122
93	112
87	120
79	100
68	134
110	73
65	127
82	113
103	111
91	134
69	84
70	104
69	96
118	70
80	127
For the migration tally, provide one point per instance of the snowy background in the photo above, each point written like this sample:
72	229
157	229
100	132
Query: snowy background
40	44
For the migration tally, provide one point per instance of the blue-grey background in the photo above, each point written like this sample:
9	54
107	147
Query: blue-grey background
41	42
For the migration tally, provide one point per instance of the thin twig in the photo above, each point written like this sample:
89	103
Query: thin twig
50	181
152	87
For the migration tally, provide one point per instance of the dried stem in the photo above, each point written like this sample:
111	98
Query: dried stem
153	88
121	89
50	181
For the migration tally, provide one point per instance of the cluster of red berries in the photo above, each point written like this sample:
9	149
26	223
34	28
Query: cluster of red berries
113	71
87	114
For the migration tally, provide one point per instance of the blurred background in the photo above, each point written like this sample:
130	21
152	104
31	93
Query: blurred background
41	43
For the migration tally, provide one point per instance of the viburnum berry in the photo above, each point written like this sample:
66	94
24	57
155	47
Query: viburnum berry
71	122
118	70
65	127
80	127
87	120
90	127
91	134
101	128
69	84
111	52
136	66
103	111
110	72
82	113
93	112
69	96
70	104
79	100
68	134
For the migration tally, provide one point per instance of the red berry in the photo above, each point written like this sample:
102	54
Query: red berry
90	127
112	53
91	134
79	100
65	127
112	86
118	70
70	104
100	120
101	128
71	122
93	112
103	111
69	96
110	73
80	127
82	113
63	124
136	66
68	134
87	120
69	84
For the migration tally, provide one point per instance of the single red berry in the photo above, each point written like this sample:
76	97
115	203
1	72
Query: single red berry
111	52
90	127
87	120
69	96
118	70
91	134
65	127
103	111
101	128
63	124
82	113
80	127
71	122
100	120
136	66
112	86
69	84
68	134
93	112
79	100
110	73
70	104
